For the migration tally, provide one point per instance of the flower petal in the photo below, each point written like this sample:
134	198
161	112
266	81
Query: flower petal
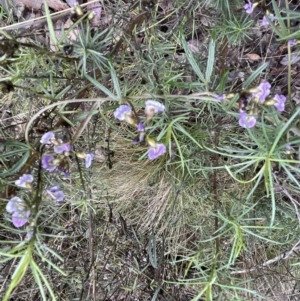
47	163
19	219
14	204
24	180
246	121
292	42
121	112
220	97
279	102
56	194
64	147
249	7
262	91
54	188
46	138
152	107
88	160
265	21
156	151
140	127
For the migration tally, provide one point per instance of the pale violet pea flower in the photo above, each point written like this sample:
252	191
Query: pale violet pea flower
19	219
152	107
265	21
262	91
140	127
292	42
56	194
279	102
249	7
156	151
47	163
288	147
121	112
88	160
61	148
87	157
20	215
246	121
220	97
47	137
97	11
14	204
24	181
141	134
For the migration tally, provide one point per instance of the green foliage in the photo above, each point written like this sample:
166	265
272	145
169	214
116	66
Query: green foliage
236	29
207	219
13	156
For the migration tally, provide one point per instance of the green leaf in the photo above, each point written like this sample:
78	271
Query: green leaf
191	59
22	149
19	272
284	30
210	60
102	88
50	24
38	270
115	80
183	131
38	281
152	250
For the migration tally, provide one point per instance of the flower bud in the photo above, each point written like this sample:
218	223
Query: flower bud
151	142
81	155
130	120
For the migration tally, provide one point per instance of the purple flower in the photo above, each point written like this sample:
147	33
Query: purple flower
221	97
279	102
153	107
88	160
63	147
14	204
56	194
246	121
156	151
19	219
47	162
288	147
249	7
121	112
97	11
47	137
262	91
140	127
17	207
24	181
141	134
292	42
265	21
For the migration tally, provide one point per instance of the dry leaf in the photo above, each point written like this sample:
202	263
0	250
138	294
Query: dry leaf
253	56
